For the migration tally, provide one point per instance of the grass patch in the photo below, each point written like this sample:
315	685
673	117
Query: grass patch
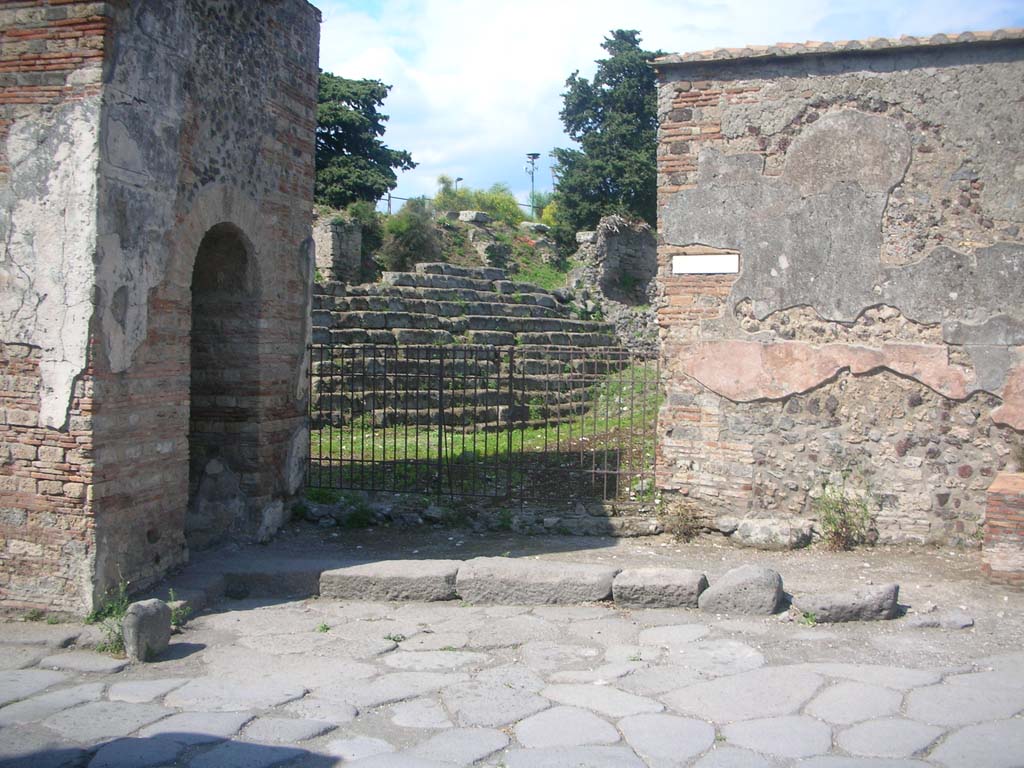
109	616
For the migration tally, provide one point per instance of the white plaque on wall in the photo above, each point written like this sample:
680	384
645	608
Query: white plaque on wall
706	264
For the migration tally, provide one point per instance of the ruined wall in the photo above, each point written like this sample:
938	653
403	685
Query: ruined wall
339	249
200	114
876	322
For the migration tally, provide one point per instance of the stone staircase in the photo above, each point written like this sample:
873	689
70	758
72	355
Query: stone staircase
387	340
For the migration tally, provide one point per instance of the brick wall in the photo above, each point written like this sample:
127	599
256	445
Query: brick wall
878	234
1002	557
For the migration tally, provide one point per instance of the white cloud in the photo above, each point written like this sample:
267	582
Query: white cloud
478	85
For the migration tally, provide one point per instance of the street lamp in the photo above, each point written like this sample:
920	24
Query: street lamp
457	180
531	158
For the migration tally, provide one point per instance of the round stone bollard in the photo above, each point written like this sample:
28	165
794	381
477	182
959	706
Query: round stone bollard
147	629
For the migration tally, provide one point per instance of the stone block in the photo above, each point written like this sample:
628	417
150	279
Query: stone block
425	580
509	581
869	604
772	534
147	629
658	587
478	217
748	589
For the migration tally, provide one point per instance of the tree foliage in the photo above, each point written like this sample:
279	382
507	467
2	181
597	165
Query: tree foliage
614	120
497	201
352	163
410	237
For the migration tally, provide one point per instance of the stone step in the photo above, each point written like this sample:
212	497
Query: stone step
495	308
538	298
589	340
511	581
418	280
477	273
456	325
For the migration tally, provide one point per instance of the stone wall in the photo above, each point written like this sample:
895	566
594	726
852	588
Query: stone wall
875	325
176	128
616	273
339	249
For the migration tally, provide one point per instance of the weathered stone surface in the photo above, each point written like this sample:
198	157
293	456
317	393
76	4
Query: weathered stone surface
428	661
137	753
285	730
22	683
865	604
771	534
21	656
215	695
574	757
83	661
888	737
141	691
463	746
658	587
36	633
93	722
147	629
655	680
358	747
732	757
990	745
606	631
564	727
238	754
747	589
423	580
603	699
193	728
328	710
792	737
953	619
767	692
510	581
898	678
45	704
478	217
420	713
397	686
846	703
665	740
971	699
673	637
483	704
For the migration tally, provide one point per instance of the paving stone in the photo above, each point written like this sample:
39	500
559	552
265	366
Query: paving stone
733	757
309	670
462	746
658	587
509	581
989	745
793	736
147	629
435	641
602	698
397	686
664	741
747	589
662	617
285	730
326	644
633	653
602	674
953	619
137	753
21	656
606	631
509	632
744	626
142	691
358	747
479	703
420	580
573	757
32	746
397	760
511	676
100	720
238	754
45	704
546	655
654	681
564	727
571	613
872	603
850	702
38	633
899	678
888	737
835	761
215	695
197	727
427	661
420	713
672	636
766	692
316	708
716	658
84	661
964	703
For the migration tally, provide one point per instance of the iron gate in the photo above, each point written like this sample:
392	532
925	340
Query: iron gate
507	422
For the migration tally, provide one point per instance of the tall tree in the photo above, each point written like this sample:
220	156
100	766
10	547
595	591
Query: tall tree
352	163
614	120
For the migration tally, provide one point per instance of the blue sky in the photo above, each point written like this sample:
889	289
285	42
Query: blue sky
477	85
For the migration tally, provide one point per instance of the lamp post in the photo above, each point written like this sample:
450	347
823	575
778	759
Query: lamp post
531	158
457	180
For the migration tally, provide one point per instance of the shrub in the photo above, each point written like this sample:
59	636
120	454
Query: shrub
498	201
109	616
843	515
410	237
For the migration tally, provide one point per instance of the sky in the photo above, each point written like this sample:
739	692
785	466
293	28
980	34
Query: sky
477	84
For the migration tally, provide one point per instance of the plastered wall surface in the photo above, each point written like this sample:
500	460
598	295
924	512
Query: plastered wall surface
876	324
197	114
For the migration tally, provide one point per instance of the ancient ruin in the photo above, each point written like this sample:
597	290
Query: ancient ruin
842	271
156	174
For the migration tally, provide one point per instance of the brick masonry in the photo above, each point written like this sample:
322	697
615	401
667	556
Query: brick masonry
874	327
1002	557
131	135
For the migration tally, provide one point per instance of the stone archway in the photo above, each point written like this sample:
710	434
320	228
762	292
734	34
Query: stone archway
223	434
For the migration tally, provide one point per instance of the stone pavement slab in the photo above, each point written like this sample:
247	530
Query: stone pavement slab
508	581
564	727
390	688
99	720
849	702
574	757
791	736
990	745
477	703
733	757
316	708
137	753
664	741
22	683
217	695
888	737
197	727
673	635
42	705
37	633
420	580
606	631
766	692
968	702
21	656
603	699
716	658
141	691
461	746
899	678
358	747
83	661
430	661
239	754
420	713
285	730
